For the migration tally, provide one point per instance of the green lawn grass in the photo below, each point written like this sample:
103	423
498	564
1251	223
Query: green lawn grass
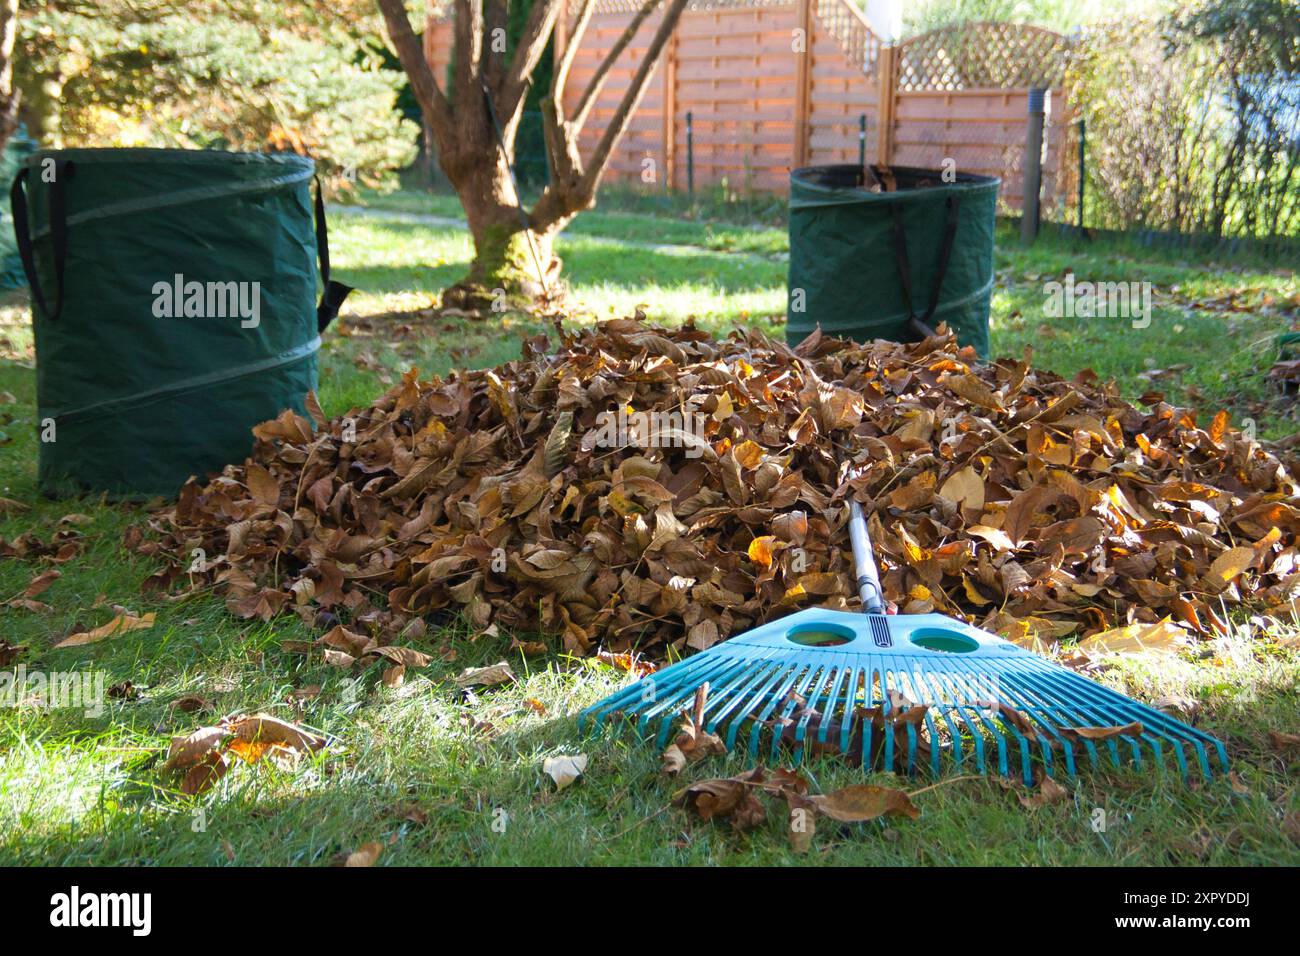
78	788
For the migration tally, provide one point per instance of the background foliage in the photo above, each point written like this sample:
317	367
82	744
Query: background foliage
239	74
1193	120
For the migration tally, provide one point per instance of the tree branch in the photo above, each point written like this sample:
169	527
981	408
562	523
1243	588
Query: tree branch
494	62
573	187
434	106
602	72
468	32
532	44
560	75
631	100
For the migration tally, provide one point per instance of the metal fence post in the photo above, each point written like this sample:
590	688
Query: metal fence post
862	139
1083	145
690	154
1033	166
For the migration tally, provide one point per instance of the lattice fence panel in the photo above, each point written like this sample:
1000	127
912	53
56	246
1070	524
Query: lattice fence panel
848	26
982	56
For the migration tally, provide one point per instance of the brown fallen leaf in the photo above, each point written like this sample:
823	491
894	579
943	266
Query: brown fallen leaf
205	773
732	798
195	746
191	703
1284	743
801	822
862	802
485	676
9	652
693	743
1134	729
411	812
263	728
124	690
1048	793
365	855
405	656
204	754
41	583
120	624
564	769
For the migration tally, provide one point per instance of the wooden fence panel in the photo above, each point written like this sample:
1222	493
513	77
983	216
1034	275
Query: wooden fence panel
759	106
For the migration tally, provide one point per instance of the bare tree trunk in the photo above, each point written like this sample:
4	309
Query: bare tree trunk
513	247
8	92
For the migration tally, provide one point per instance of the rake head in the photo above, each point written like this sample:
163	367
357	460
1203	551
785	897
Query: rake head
912	693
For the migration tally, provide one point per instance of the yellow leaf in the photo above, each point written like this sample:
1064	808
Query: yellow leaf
972	594
1134	638
760	550
1231	563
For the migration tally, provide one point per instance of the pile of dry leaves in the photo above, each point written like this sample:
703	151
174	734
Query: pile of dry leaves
998	493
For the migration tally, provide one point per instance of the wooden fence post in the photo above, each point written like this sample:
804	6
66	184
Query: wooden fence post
887	90
803	85
670	109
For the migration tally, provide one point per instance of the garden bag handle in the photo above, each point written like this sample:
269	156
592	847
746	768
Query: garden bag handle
63	170
334	293
921	324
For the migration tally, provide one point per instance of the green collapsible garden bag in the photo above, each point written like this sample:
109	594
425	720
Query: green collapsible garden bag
174	305
866	265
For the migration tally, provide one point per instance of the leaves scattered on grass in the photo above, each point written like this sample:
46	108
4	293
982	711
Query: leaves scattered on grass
204	754
736	799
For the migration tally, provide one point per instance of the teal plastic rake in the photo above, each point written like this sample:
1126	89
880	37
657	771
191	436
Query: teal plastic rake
912	692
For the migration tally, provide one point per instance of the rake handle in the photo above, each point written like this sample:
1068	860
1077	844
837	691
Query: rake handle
864	562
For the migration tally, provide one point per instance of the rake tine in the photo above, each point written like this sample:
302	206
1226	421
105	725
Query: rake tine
814	699
736	694
887	711
1116	709
977	738
934	744
945	711
850	700
792	674
771	677
666	708
998	737
786	710
869	725
823	729
1019	697
729	693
